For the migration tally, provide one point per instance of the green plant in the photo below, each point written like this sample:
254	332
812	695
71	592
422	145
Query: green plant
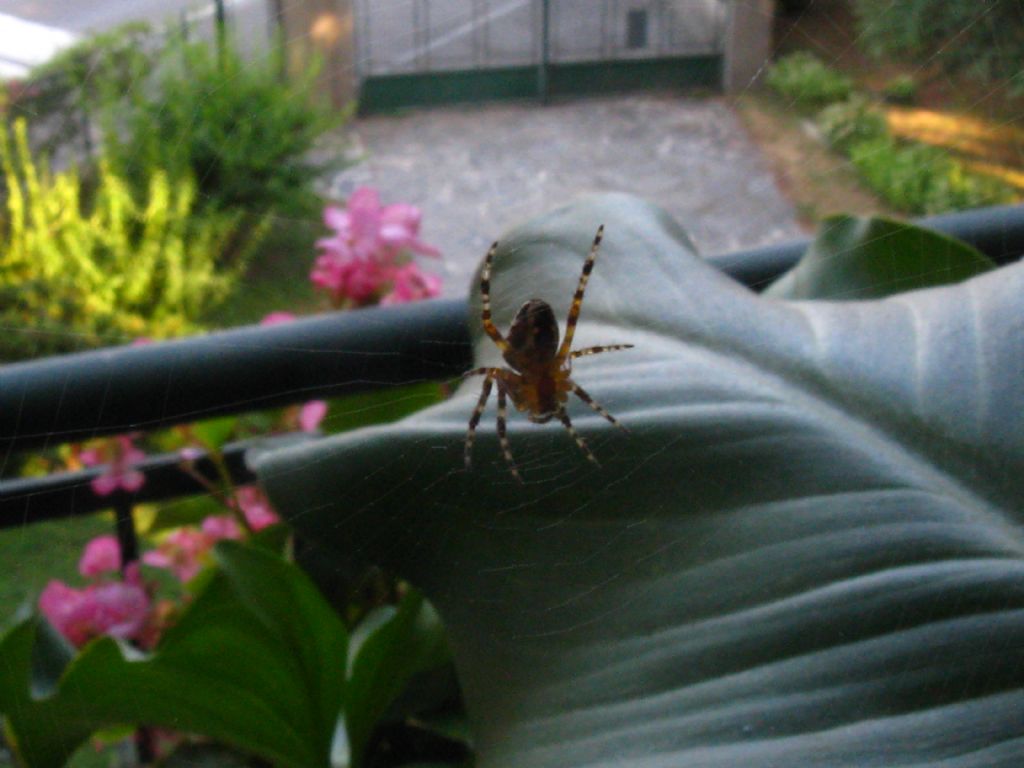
902	89
851	122
804	79
242	131
923	179
985	39
807	552
74	273
92	78
258	660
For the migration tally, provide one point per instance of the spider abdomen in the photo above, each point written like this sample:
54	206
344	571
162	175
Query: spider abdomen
533	335
542	394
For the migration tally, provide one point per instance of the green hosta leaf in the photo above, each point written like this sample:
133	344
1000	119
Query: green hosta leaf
257	661
807	552
859	258
389	648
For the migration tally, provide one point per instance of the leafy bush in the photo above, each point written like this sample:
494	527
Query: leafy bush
243	132
923	179
74	271
902	89
237	126
985	39
851	122
807	81
62	96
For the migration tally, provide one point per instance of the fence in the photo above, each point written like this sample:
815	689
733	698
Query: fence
414	52
148	387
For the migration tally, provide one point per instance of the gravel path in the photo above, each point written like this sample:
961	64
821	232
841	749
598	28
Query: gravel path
475	171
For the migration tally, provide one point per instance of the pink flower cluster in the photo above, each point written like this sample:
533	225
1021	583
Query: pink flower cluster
368	259
107	606
186	550
119	454
123	606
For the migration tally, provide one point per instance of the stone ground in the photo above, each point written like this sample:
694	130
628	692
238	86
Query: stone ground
476	171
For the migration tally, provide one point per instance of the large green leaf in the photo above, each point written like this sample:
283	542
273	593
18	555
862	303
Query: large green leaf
869	258
257	661
389	648
807	552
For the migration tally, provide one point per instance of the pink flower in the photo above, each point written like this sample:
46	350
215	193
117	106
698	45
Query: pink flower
182	551
102	555
256	507
311	414
115	608
370	241
119	454
219	527
345	276
373	231
410	284
276	318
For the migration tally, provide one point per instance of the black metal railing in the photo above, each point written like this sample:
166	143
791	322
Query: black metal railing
73	398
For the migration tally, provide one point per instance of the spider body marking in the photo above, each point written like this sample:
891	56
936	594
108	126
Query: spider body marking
538	380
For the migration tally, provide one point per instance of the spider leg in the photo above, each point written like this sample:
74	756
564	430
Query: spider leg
506	450
577	299
485	392
598	350
582	395
485	300
480	371
564	418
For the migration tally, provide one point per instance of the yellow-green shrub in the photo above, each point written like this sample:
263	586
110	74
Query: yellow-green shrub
77	272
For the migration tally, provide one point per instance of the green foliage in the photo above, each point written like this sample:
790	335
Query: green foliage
923	179
241	130
901	89
805	80
259	660
985	39
238	126
82	82
77	272
851	122
867	258
389	648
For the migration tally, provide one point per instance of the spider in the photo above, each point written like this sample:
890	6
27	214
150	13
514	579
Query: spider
538	380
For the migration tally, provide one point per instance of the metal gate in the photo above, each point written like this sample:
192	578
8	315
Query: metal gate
417	52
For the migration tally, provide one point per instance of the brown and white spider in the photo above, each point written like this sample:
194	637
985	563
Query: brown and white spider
539	378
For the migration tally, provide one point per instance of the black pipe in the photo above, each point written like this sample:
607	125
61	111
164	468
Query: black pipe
76	397
72	398
69	494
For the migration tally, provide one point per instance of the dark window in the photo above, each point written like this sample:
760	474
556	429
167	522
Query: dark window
636	29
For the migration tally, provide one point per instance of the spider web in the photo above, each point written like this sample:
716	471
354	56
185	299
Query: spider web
476	171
